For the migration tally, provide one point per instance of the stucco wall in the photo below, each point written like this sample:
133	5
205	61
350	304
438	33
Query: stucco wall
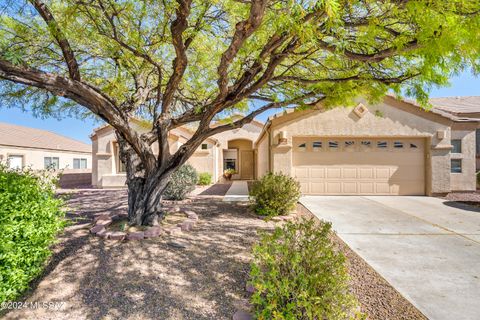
262	156
382	120
34	158
465	180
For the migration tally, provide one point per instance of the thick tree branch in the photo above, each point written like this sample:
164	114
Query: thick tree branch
60	38
243	30
178	26
82	94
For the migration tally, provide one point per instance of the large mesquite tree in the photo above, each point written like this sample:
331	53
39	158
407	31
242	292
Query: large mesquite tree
192	62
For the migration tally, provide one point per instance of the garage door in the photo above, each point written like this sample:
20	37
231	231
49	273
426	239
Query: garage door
330	166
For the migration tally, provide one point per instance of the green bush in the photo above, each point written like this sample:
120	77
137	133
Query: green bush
181	183
478	179
297	273
204	179
30	219
274	194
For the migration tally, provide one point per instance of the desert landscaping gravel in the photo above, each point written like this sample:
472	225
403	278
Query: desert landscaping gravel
201	274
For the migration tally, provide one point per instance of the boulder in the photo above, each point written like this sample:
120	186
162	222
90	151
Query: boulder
96	229
118	235
104	222
191	215
152	232
135	235
187	225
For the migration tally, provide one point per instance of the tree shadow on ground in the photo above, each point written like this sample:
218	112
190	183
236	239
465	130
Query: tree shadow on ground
151	279
473	206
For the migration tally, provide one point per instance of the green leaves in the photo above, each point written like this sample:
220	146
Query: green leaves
30	218
125	48
298	273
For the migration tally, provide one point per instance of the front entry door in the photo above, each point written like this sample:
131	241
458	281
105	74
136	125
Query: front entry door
246	164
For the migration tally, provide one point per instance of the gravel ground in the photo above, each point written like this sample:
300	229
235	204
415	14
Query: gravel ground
153	279
377	298
473	196
150	279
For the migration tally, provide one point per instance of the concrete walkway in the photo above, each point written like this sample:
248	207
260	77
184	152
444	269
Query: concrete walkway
237	192
427	248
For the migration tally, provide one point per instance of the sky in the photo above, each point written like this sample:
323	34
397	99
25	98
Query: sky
463	85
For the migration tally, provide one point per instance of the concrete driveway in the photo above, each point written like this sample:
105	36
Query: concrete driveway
427	248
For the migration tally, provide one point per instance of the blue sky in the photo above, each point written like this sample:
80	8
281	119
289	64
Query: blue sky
463	85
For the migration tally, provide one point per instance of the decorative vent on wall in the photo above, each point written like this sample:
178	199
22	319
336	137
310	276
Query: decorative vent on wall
360	110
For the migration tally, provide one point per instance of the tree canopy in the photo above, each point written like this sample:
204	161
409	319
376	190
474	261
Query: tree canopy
186	62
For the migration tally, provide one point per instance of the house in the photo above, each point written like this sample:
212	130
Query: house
40	149
231	149
390	148
463	107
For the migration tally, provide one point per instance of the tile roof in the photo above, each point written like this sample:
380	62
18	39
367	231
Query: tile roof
457	105
19	136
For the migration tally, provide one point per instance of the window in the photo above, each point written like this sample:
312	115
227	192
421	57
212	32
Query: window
204	146
457	146
15	162
413	146
79	163
317	144
456	166
230	164
398	145
366	143
349	143
382	144
333	144
302	146
51	163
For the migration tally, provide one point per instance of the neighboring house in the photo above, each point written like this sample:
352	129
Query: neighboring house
231	149
390	148
462	107
41	149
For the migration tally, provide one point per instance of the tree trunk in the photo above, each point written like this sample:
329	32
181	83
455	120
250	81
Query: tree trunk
145	200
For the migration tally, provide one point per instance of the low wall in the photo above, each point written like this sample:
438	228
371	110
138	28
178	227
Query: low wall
76	178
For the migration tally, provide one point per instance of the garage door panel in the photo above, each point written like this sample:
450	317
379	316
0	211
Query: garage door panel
382	172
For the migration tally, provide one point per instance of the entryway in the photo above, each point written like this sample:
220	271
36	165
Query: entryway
240	157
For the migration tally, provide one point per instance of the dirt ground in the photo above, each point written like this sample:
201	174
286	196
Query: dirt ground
149	279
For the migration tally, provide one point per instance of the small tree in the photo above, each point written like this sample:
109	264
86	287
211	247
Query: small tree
189	62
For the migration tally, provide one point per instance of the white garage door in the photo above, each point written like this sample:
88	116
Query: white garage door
330	166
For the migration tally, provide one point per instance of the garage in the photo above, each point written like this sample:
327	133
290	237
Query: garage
359	166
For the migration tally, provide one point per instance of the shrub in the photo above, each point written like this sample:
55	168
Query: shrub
181	183
204	179
297	273
30	219
478	179
274	194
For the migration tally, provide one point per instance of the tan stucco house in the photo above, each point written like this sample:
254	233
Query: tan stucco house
390	148
40	149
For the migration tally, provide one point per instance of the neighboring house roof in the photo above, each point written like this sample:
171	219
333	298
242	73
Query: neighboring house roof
19	136
458	106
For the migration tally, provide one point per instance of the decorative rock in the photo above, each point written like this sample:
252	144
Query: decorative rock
104	222
191	215
242	315
96	229
102	234
249	288
135	235
187	225
152	232
117	235
176	209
